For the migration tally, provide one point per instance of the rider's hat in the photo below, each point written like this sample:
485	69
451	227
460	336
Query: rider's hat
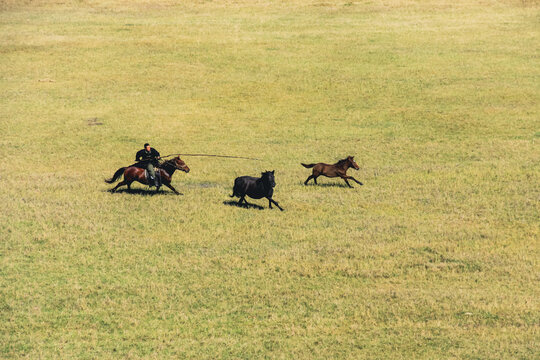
146	144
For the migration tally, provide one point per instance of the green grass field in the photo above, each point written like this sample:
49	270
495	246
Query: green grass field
436	256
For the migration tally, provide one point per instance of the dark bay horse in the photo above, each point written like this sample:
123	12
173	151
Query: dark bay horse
256	188
338	169
133	173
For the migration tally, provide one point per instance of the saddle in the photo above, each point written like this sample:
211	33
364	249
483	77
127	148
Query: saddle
142	165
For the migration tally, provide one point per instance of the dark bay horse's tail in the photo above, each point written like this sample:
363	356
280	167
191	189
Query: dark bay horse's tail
308	165
116	175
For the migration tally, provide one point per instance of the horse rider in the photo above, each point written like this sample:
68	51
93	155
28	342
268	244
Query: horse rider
148	158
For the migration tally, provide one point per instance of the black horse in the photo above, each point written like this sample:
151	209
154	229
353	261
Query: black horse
255	188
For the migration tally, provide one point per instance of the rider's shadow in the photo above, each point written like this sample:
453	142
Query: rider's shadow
142	192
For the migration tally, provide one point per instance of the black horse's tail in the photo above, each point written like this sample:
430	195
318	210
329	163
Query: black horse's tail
235	187
116	175
308	165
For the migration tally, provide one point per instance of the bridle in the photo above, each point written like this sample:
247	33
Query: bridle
172	163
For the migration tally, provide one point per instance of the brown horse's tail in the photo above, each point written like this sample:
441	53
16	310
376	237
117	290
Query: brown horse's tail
116	175
308	165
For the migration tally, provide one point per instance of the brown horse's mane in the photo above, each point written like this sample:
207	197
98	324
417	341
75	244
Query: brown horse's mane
166	162
342	161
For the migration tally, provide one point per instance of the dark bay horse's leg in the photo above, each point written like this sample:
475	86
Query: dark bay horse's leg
345	177
309	178
270	201
173	189
347	182
353	179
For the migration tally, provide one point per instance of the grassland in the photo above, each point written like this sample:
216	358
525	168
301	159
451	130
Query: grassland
436	256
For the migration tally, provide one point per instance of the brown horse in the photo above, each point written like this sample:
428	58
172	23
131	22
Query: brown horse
338	169
133	173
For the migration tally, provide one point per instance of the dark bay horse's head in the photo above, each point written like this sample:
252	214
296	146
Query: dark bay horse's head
352	163
268	177
180	164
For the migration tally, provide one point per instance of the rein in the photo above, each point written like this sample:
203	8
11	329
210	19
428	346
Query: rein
169	162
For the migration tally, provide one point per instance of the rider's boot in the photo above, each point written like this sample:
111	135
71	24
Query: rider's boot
156	183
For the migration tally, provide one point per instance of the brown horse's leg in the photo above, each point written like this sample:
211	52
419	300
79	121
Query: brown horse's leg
309	178
172	188
347	182
122	183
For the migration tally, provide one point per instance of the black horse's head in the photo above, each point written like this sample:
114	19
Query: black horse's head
268	177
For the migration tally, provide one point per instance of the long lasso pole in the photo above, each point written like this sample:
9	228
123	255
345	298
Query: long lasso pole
212	155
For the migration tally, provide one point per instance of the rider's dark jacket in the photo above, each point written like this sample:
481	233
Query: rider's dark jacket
147	156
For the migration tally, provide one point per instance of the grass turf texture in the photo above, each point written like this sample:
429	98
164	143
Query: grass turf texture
436	256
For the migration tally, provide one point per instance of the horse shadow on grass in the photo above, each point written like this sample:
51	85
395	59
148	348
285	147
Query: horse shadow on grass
326	185
243	205
143	192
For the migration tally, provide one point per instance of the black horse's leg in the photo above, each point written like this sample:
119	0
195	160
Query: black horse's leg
275	202
173	189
